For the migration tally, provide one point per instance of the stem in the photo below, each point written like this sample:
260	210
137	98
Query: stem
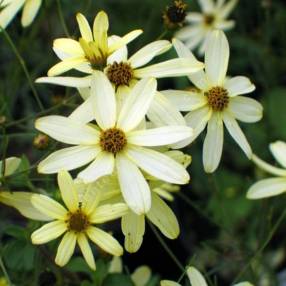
24	67
62	19
165	246
3	268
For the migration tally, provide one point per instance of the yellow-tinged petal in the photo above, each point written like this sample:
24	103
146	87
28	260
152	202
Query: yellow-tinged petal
66	249
169	283
105	241
48	232
133	228
11	165
68	191
91	199
108	212
100	28
141	275
163	217
68	46
86	250
49	207
30	11
196	278
84	27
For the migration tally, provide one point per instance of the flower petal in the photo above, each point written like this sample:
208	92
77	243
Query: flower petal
68	159
68	46
168	283
159	136
66	65
65	249
162	112
227	8
163	217
48	232
105	241
103	100
86	250
185	100
236	133
68	191
196	278
101	166
49	207
84	27
133	228
207	6
134	188
108	212
100	28
8	13
278	149
30	11
158	165
11	165
22	202
66	130
147	53
245	109
170	68
141	275
66	81
84	113
216	57
267	188
137	104
212	148
239	85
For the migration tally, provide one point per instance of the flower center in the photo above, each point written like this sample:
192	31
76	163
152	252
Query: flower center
78	221
112	140
120	73
209	19
217	98
93	54
175	14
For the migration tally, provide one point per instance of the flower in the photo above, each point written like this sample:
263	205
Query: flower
116	143
76	222
92	50
9	9
217	101
271	186
196	279
213	17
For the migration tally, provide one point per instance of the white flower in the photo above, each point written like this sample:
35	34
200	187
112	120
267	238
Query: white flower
213	17
116	144
218	101
9	9
273	186
196	279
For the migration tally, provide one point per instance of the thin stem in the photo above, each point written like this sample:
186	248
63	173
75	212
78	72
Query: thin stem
262	247
162	35
24	67
165	246
62	19
3	268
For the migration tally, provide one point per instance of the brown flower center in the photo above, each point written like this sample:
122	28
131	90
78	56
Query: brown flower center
112	140
209	19
78	221
175	14
120	73
217	98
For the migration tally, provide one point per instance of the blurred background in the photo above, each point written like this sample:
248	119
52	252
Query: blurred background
223	234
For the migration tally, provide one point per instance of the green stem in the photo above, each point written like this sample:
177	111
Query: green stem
62	19
24	67
3	268
165	246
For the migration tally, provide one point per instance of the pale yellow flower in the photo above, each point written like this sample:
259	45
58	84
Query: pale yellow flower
217	102
213	17
272	186
9	9
92	50
117	143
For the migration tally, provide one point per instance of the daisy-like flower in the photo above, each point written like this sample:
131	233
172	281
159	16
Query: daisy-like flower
217	101
93	48
196	279
117	143
213	17
76	222
272	186
9	9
